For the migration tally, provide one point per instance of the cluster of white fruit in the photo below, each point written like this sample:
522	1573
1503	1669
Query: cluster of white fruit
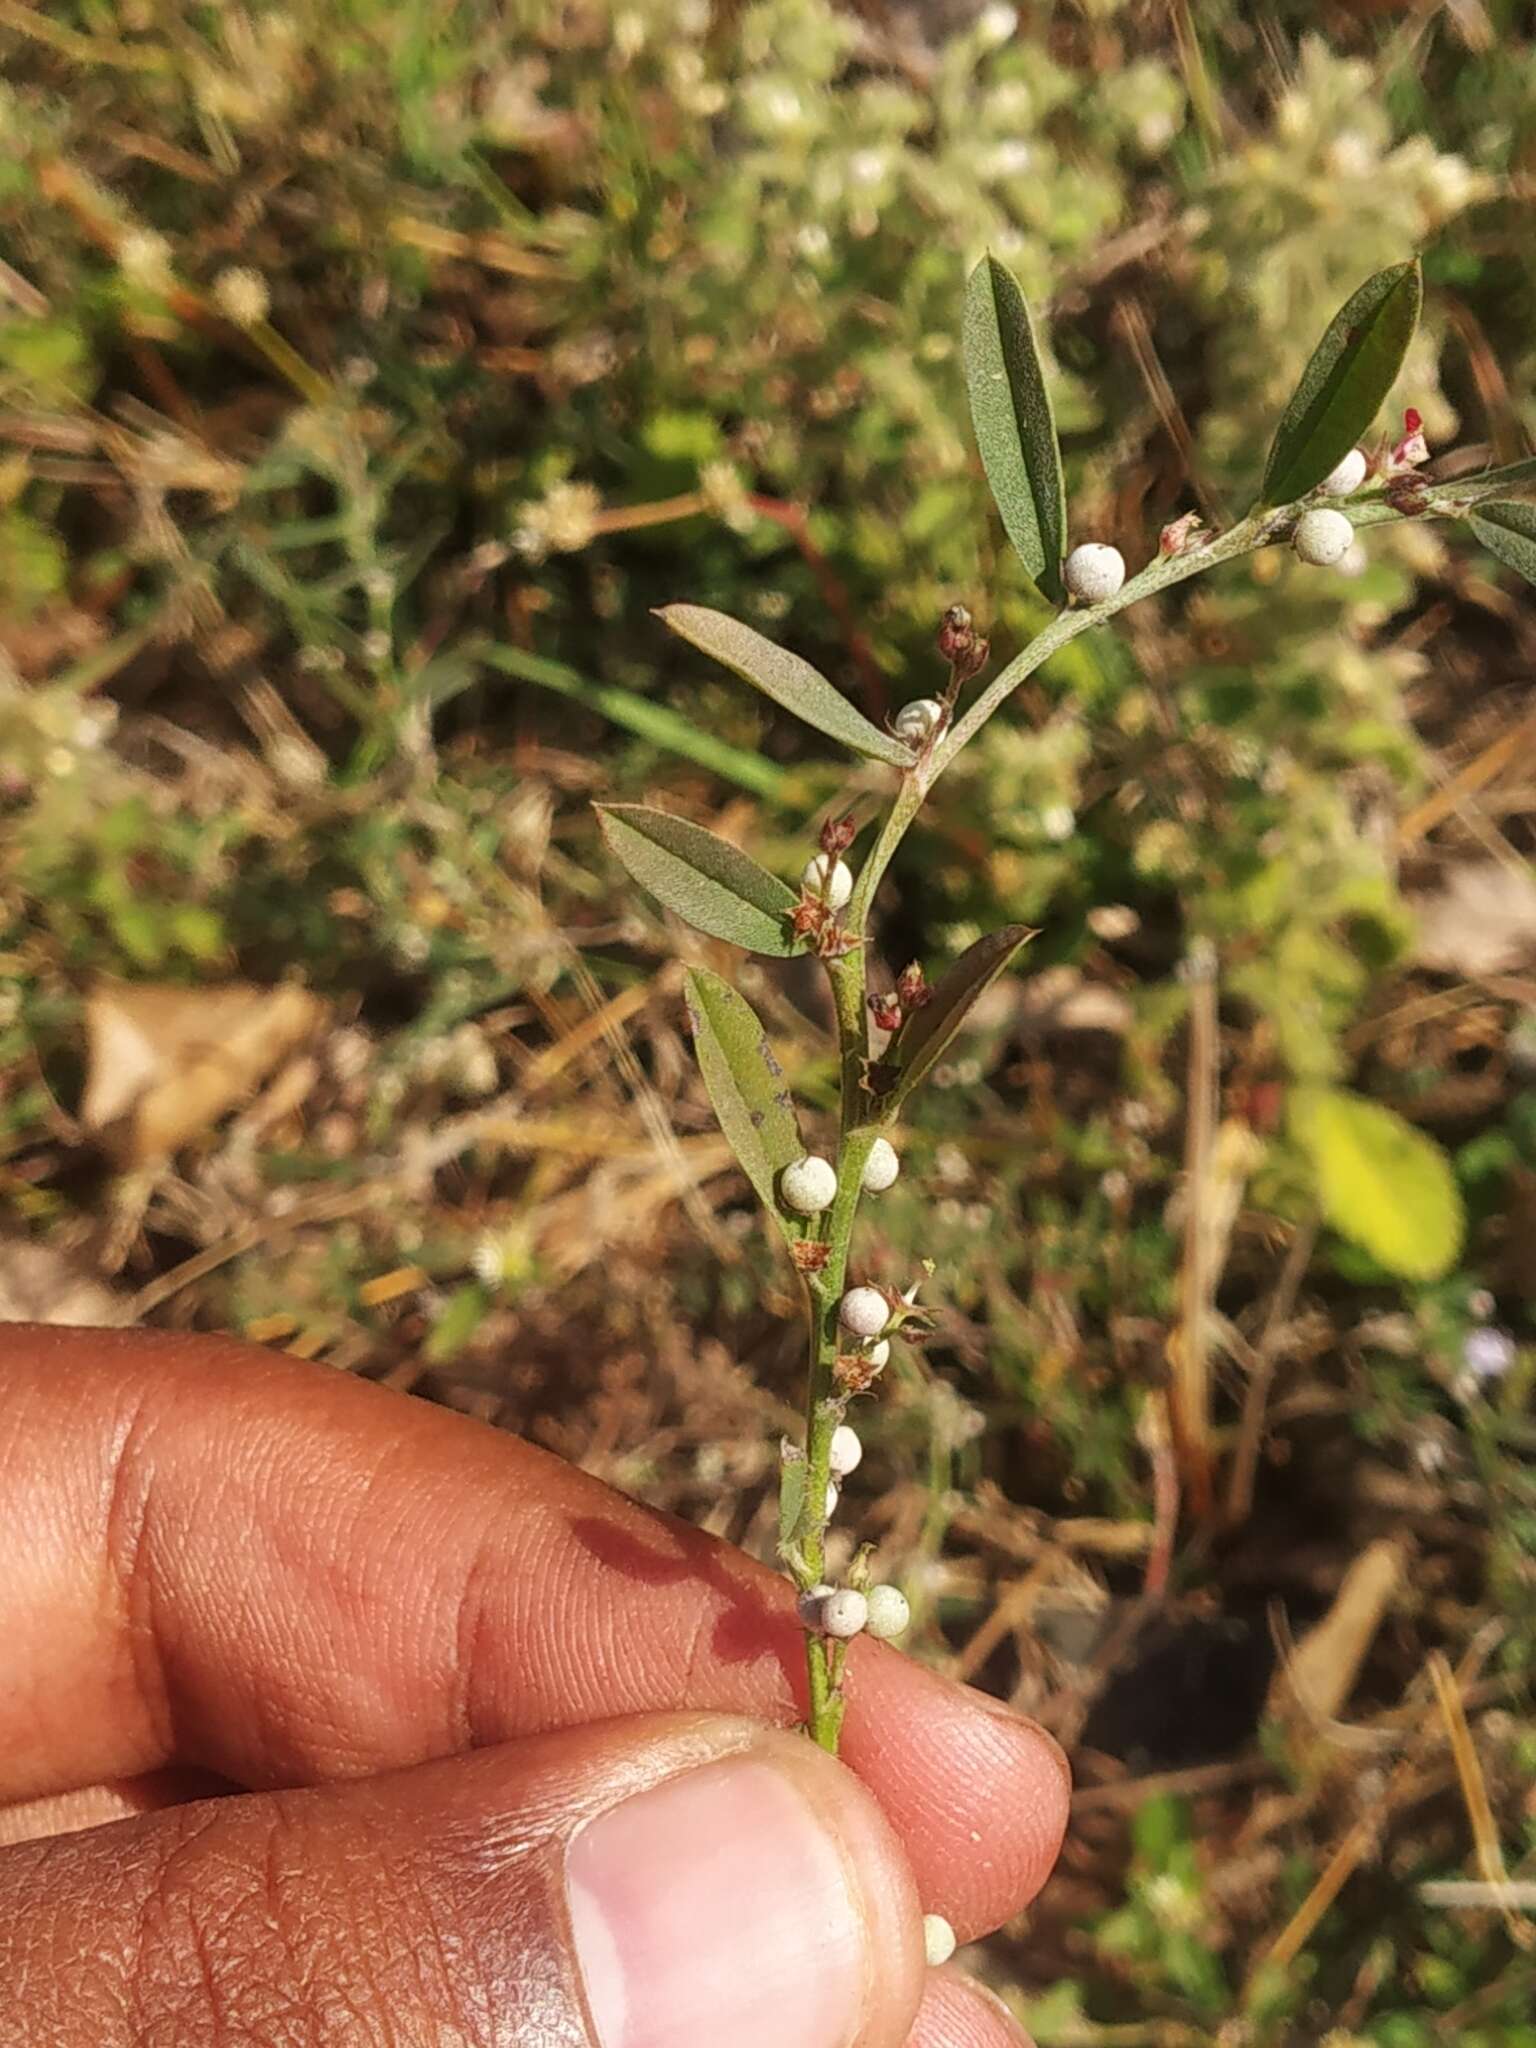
843	1612
1095	572
809	1185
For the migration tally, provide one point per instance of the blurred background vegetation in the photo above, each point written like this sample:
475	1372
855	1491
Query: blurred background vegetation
368	370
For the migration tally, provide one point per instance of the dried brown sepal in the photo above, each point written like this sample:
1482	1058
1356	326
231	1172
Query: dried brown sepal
832	941
810	1254
809	917
1408	495
855	1373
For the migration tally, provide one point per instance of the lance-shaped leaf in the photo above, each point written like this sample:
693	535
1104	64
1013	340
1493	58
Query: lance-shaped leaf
785	678
925	1036
1352	369
746	1086
1382	1183
1015	427
1510	476
1508	531
711	884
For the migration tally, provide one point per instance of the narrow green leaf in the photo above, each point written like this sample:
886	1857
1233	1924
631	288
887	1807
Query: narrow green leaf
1015	427
785	678
1382	1183
1508	531
791	1498
925	1036
746	1086
1509	477
711	884
1352	369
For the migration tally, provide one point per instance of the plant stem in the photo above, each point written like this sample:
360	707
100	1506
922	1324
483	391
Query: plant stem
823	1291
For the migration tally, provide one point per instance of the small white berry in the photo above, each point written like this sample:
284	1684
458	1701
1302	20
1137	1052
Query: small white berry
1323	538
864	1311
879	1354
808	1185
889	1614
844	1613
880	1168
1354	561
845	1452
1347	476
810	1604
834	892
914	722
938	1939
1094	572
829	1505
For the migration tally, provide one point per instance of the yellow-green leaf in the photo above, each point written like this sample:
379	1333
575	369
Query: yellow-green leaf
1382	1183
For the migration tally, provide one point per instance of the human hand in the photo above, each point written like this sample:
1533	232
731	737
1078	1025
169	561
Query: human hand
497	1756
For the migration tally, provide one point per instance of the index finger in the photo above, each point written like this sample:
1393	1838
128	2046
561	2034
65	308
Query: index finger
285	1575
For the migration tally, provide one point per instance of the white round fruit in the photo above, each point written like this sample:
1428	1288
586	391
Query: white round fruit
880	1168
845	1452
879	1354
810	1604
1345	477
889	1614
864	1311
844	1613
1094	572
830	1500
916	721
808	1185
938	1939
1323	538
828	880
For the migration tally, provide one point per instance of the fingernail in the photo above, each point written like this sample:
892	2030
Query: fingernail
717	1907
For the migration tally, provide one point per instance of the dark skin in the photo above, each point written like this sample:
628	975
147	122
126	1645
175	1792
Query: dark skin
277	1644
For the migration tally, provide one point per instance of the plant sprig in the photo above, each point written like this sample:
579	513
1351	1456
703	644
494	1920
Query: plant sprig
719	890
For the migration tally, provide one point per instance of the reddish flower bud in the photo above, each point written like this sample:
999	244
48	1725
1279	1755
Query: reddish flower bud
886	1011
1179	534
837	835
1413	448
912	989
956	634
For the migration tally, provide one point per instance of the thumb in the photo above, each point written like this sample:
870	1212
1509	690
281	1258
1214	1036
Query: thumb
668	1882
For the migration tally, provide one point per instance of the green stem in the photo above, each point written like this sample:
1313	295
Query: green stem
824	1290
824	1405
